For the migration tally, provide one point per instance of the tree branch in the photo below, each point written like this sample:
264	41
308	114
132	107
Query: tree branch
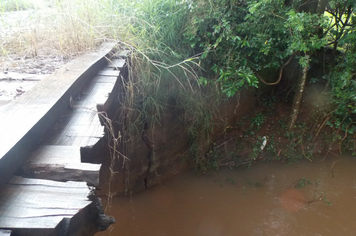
280	73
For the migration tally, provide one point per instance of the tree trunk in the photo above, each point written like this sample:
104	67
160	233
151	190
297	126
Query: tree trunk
313	7
298	96
321	6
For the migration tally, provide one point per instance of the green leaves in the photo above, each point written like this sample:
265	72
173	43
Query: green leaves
242	38
303	28
239	39
233	80
304	61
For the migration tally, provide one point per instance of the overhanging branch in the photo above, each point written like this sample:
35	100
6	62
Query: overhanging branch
280	73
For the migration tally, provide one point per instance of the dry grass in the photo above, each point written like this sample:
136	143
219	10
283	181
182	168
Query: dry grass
67	28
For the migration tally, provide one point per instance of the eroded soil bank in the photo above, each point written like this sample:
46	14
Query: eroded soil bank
265	200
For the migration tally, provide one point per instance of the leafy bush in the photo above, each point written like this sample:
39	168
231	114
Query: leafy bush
249	39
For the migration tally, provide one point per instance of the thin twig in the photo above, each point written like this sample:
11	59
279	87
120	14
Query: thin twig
322	125
304	152
224	143
294	183
332	167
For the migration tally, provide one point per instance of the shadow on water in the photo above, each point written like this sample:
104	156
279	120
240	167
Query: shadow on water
269	199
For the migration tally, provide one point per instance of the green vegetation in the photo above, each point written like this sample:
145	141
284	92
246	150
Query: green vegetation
251	43
191	54
15	5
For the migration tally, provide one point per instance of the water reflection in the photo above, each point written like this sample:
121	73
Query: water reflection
242	202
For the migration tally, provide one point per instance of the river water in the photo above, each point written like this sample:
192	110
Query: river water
264	200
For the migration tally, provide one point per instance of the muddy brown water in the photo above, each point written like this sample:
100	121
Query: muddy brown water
260	201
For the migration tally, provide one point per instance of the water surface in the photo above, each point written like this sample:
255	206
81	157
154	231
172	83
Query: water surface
260	201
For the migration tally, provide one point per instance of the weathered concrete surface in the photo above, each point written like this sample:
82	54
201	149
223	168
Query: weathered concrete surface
23	122
60	163
36	207
5	232
68	116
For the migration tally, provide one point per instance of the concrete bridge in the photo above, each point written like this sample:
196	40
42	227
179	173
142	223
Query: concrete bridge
46	188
